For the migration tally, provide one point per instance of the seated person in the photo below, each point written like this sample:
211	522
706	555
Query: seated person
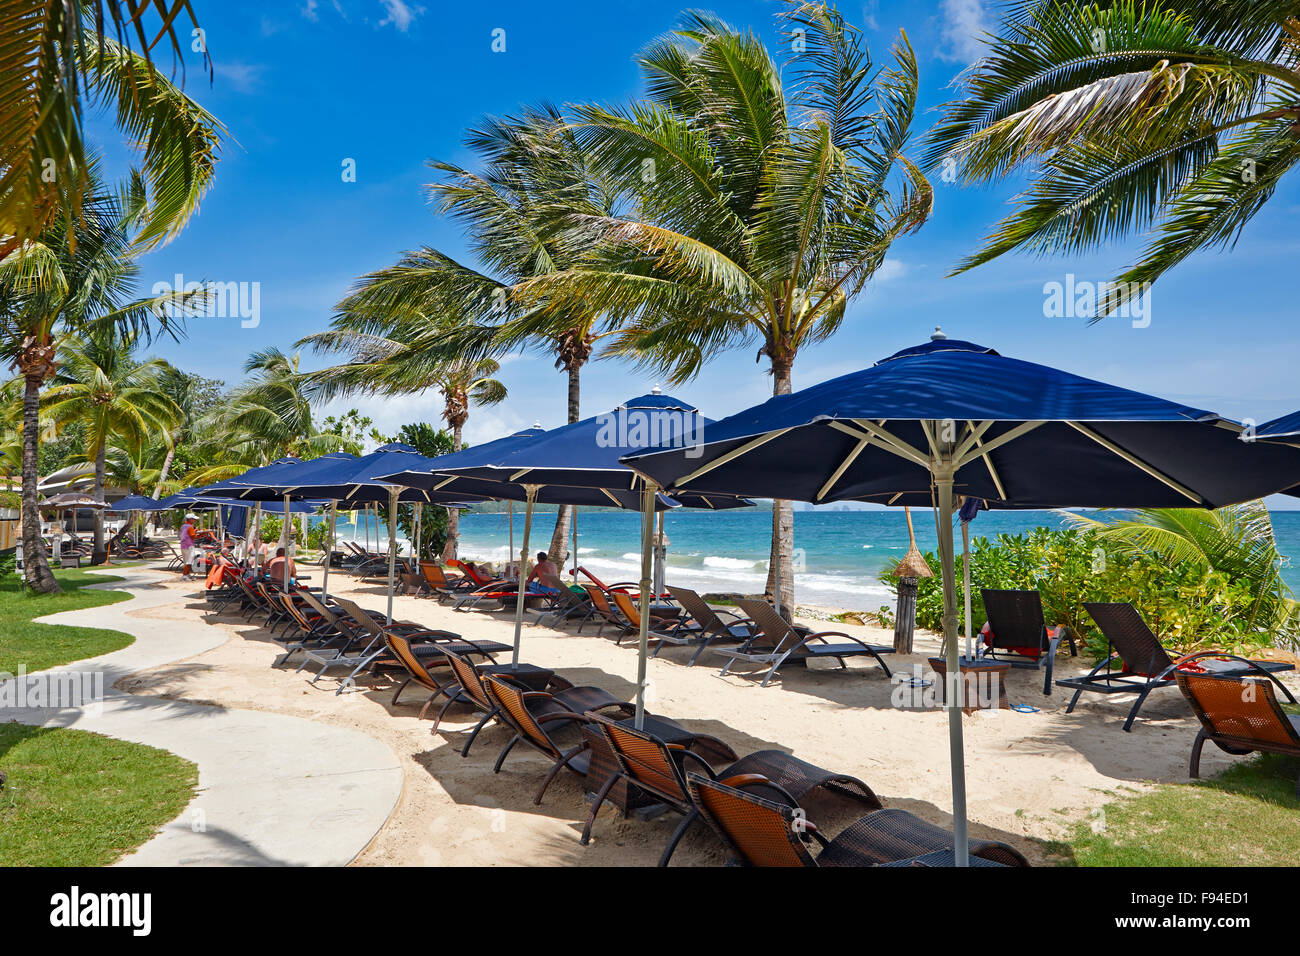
274	569
544	577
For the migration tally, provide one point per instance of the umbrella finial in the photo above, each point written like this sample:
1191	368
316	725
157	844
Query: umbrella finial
656	390
537	424
938	334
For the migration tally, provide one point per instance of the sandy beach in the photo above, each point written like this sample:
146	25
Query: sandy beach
1030	775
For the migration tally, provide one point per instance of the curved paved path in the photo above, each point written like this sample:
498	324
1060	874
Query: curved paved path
273	789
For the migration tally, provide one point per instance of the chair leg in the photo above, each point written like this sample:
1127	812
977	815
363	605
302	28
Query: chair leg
476	731
1137	705
429	703
605	788
560	764
438	720
677	837
502	759
398	693
1074	700
1194	767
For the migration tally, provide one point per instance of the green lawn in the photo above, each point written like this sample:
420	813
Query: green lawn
1249	816
74	798
38	646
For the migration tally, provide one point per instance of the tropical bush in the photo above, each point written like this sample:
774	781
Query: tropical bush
1188	598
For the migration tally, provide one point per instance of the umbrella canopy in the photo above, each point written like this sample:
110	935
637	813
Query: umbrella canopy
264	483
71	500
950	417
137	503
1286	428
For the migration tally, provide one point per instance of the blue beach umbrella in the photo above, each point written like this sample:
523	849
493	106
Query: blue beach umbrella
952	418
565	464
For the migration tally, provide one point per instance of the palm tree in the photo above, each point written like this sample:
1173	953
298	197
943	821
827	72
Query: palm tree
533	174
1236	541
64	56
192	395
1173	117
120	401
404	358
52	287
266	417
760	214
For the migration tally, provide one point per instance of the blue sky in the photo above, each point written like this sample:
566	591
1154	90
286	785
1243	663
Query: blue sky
304	85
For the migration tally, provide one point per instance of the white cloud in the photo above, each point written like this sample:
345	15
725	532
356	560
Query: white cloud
400	14
890	269
869	10
308	10
962	25
242	77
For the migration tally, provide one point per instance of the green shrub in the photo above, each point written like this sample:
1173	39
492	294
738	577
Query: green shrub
1186	604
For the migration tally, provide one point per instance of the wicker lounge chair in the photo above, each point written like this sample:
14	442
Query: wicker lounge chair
779	643
703	625
1146	665
604	612
1016	627
536	716
629	610
1239	715
763	825
659	768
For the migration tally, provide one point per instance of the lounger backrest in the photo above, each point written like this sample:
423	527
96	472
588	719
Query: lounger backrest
320	608
364	620
773	628
433	574
401	649
645	758
1242	707
1129	635
467	676
510	699
628	607
295	612
760	832
697	608
599	599
1016	618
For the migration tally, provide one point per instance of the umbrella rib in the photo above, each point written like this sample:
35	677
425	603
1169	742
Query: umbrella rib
1137	462
444	483
1011	435
843	466
890	442
971	439
731	455
993	472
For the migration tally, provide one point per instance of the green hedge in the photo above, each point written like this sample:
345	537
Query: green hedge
1185	604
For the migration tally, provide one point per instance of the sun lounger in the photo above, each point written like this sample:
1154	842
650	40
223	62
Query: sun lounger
1240	715
762	824
1016	628
1146	665
779	643
565	605
659	768
703	625
536	717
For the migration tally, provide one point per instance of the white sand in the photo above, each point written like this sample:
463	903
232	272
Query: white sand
1028	775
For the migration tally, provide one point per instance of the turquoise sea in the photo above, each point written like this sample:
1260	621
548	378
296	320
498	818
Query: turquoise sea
839	553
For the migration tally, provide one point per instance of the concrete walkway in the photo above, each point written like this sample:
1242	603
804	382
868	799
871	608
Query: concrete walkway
273	789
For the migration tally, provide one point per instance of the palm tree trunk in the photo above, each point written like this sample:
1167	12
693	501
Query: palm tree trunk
453	514
166	467
782	520
558	551
36	568
101	458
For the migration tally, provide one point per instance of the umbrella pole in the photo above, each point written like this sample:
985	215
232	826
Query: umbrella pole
573	526
332	518
392	545
416	555
285	532
510	523
661	558
965	572
531	492
776	590
944	474
643	636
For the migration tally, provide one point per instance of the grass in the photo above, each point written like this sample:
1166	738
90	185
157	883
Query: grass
1245	817
74	798
39	646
